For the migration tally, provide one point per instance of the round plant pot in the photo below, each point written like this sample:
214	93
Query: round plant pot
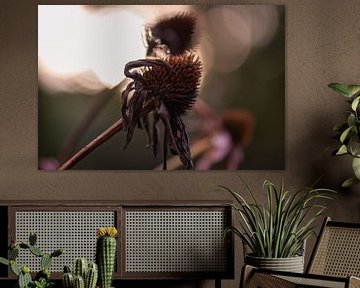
291	264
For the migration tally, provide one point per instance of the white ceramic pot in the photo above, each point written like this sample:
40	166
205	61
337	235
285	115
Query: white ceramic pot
291	264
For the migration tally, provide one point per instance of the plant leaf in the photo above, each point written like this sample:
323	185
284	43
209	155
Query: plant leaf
340	89
342	150
355	103
354	144
14	268
351	120
4	261
349	182
353	89
356	167
345	134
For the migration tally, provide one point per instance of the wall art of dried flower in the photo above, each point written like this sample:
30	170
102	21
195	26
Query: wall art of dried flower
195	89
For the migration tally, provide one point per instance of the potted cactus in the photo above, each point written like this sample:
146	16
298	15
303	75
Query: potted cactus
42	278
106	254
84	275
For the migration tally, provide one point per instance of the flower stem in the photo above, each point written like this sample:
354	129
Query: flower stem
91	146
102	138
87	119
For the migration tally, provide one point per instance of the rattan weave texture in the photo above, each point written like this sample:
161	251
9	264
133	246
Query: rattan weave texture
175	241
75	231
338	252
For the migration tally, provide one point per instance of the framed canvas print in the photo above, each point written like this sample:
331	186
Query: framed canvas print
167	87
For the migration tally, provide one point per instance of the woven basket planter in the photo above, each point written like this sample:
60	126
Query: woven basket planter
291	264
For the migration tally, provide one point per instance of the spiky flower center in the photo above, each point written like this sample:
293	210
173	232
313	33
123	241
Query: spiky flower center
178	86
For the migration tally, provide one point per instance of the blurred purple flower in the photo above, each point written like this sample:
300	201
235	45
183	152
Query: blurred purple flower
49	164
228	142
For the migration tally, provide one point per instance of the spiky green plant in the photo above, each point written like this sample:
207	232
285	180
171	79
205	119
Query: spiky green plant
279	229
79	282
84	273
80	267
68	280
348	132
91	276
106	254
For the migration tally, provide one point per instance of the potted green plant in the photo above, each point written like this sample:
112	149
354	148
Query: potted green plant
348	133
274	235
42	278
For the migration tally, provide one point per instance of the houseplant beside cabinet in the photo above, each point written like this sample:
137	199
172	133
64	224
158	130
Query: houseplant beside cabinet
275	234
348	132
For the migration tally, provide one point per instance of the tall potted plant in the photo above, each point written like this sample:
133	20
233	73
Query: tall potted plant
348	133
275	234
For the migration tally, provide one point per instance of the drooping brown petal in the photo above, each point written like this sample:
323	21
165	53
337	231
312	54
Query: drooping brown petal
155	134
134	114
177	136
146	126
124	101
181	144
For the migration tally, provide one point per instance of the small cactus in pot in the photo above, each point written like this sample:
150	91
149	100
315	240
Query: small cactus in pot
85	275
106	254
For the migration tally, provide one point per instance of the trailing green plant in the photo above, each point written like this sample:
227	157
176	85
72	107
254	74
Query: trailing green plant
42	278
348	133
106	254
84	275
279	229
